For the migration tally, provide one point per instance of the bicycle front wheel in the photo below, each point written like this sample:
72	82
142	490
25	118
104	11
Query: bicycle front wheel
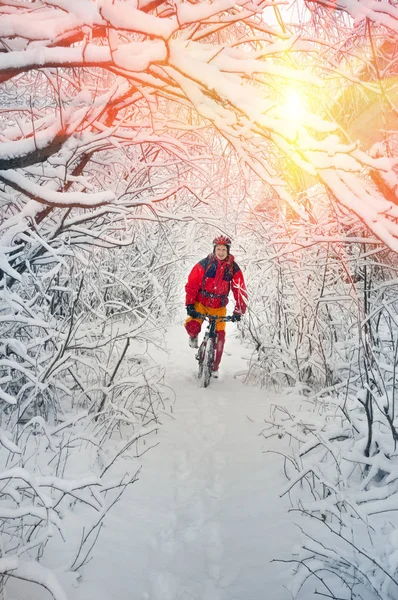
206	363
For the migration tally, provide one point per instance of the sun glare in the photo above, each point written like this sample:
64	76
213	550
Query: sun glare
293	108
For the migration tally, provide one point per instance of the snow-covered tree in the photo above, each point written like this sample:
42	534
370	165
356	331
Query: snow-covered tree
146	78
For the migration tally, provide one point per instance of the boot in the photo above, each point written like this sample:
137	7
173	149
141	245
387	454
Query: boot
193	342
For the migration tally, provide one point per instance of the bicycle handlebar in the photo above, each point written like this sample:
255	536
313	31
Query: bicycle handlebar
214	317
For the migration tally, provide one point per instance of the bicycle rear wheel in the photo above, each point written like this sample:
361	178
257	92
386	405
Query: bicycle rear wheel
206	363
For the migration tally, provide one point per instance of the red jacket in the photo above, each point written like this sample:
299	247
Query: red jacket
211	280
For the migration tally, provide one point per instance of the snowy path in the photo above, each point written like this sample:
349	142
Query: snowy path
205	520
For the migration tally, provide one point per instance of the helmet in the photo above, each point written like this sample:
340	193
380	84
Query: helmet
222	240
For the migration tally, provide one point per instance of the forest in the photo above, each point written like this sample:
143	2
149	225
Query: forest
132	131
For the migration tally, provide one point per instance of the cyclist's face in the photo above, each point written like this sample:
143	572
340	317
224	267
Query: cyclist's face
221	252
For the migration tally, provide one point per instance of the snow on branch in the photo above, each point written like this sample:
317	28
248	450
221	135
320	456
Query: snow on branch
39	58
123	15
136	63
33	572
382	13
53	198
26	152
192	13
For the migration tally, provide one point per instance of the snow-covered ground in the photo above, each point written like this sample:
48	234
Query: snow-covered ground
205	521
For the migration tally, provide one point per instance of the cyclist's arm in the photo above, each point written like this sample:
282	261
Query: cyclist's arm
193	284
239	290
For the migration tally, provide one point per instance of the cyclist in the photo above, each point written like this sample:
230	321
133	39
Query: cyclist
207	289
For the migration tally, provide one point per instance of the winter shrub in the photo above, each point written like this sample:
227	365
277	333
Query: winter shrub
322	322
347	499
311	291
81	397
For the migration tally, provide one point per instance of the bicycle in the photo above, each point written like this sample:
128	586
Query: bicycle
205	354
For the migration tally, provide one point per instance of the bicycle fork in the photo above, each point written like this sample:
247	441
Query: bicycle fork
217	351
200	353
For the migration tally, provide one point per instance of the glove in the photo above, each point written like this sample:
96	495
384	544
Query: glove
236	317
191	312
